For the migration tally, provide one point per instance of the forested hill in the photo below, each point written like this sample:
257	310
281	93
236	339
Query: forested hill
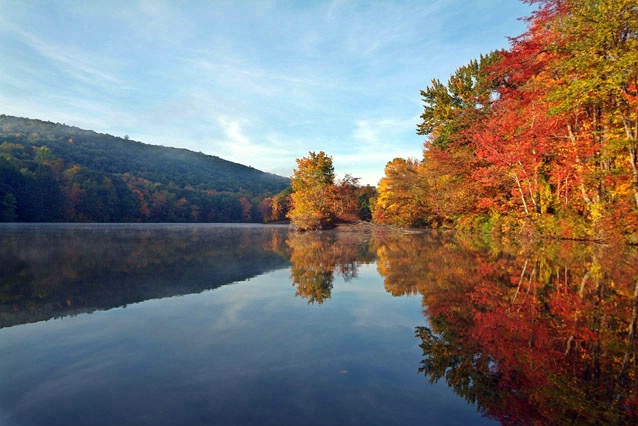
55	172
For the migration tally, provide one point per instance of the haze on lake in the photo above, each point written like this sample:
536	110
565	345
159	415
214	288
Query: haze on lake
251	324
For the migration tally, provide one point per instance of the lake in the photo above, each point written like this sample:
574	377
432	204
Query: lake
253	325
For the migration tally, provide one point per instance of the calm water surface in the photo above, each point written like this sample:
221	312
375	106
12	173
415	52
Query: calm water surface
242	325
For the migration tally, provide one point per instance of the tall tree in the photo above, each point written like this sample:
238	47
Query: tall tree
449	110
313	192
451	114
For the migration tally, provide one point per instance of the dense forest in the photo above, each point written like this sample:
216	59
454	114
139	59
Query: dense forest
539	139
51	172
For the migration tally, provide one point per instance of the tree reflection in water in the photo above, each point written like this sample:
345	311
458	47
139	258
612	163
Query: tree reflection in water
531	334
316	257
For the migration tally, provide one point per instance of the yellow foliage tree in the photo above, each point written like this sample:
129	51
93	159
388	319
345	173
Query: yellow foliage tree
401	195
313	193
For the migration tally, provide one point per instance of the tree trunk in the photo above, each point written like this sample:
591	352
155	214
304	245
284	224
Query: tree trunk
572	138
520	190
634	171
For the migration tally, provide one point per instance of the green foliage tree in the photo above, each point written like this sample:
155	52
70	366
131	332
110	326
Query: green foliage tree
450	109
8	208
43	154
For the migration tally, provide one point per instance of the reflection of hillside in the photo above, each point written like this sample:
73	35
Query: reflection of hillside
532	335
53	271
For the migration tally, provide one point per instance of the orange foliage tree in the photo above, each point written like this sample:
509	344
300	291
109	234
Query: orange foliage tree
401	195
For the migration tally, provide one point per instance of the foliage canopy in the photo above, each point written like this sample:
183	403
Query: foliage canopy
542	137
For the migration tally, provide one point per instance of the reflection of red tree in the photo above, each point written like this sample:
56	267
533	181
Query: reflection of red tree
531	337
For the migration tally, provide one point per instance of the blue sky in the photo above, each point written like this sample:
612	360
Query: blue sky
256	82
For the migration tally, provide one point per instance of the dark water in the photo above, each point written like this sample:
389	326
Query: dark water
243	325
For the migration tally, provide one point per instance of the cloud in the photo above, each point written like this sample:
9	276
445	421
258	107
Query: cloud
234	135
238	144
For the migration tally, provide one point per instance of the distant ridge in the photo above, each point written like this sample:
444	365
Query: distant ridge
164	184
153	162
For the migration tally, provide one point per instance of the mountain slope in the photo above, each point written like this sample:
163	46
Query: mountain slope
110	154
124	180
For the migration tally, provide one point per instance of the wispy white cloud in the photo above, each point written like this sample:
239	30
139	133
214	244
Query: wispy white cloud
78	65
235	137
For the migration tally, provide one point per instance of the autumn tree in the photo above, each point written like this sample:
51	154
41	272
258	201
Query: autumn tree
597	94
563	129
401	195
313	192
514	143
280	205
346	202
275	208
542	136
451	114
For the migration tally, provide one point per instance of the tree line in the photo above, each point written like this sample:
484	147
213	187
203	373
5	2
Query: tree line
540	139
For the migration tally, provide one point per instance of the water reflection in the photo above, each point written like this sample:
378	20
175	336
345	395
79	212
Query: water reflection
535	334
316	258
51	271
529	334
